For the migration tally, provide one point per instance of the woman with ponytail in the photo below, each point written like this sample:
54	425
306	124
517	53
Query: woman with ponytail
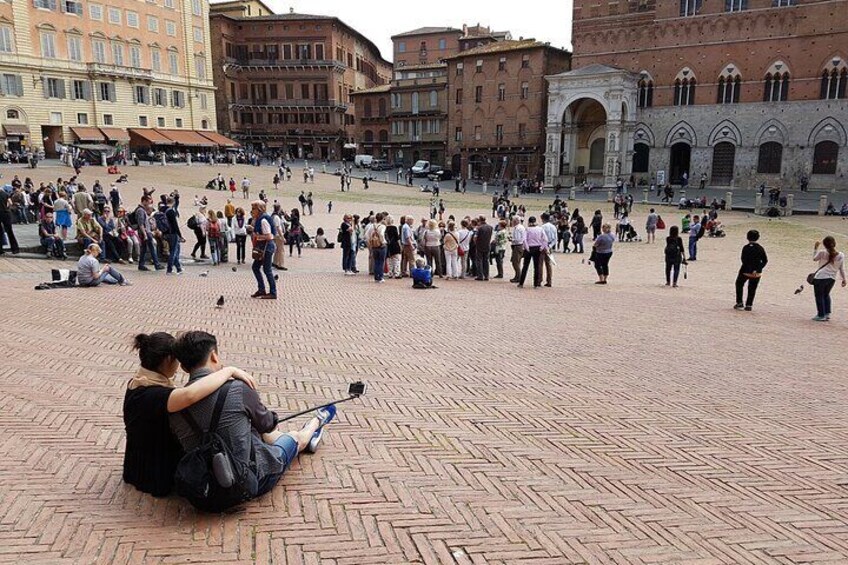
152	452
831	262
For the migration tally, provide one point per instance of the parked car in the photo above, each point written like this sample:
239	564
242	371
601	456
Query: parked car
363	161
421	168
439	173
381	165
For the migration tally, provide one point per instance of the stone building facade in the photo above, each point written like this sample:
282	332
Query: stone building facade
498	108
74	71
742	91
285	81
373	121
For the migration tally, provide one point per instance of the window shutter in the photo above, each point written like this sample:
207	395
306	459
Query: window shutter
135	96
46	90
86	90
61	85
3	86
112	95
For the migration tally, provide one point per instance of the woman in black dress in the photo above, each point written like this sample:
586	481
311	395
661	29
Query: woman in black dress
152	452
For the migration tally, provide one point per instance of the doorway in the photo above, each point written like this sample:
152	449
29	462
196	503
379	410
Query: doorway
681	155
724	155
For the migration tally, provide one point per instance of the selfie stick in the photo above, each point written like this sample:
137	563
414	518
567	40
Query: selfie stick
308	410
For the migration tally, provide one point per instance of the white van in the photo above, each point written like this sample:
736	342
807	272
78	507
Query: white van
362	161
421	168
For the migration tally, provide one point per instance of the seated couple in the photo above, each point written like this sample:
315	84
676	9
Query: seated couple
162	421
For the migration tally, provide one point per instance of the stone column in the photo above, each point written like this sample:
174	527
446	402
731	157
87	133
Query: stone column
644	196
188	159
822	204
729	198
103	162
232	158
163	159
571	194
612	156
552	153
790	203
485	187
758	203
609	196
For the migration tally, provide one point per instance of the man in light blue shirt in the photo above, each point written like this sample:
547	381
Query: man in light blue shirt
694	236
407	246
551	234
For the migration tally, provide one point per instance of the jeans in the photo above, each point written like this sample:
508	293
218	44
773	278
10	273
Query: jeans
174	253
675	268
499	258
693	248
578	243
821	289
263	265
534	255
379	262
348	263
213	250
112	276
241	241
55	247
148	247
602	263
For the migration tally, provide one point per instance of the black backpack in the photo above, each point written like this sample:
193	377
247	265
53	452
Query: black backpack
672	251
208	475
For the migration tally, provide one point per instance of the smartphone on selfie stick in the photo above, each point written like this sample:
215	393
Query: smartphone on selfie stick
354	390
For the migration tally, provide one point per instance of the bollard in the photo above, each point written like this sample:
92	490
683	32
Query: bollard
790	203
324	168
232	158
572	194
682	193
188	159
729	198
163	158
387	178
485	187
644	196
758	203
103	162
609	196
822	205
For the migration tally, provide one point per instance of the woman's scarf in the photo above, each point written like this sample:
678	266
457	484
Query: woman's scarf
145	377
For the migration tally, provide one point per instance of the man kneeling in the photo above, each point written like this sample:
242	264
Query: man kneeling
258	454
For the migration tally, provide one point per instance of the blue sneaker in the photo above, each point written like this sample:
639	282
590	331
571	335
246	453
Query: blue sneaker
325	415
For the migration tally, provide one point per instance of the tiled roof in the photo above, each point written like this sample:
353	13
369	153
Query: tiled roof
500	47
426	31
375	90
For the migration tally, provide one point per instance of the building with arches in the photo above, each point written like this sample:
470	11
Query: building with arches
74	72
742	91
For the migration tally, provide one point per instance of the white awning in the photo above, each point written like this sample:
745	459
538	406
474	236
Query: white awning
350	146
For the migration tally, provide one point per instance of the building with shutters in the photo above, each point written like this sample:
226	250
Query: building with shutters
284	81
743	92
90	72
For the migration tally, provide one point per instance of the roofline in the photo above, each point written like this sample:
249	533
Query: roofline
469	53
334	19
413	33
225	2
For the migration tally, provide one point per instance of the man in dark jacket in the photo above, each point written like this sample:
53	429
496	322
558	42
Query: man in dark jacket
247	427
173	236
754	260
6	223
482	242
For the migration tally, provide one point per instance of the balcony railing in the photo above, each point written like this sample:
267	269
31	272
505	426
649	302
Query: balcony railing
119	71
276	62
288	104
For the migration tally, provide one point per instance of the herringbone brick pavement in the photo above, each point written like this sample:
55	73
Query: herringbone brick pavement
578	424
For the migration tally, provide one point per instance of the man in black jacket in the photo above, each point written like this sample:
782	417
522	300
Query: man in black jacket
754	260
6	223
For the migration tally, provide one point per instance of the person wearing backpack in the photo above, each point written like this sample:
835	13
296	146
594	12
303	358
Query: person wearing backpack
196	223
234	451
152	452
375	237
675	254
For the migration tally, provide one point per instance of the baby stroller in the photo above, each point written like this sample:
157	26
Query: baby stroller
631	234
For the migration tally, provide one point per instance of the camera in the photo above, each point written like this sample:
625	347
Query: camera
356	389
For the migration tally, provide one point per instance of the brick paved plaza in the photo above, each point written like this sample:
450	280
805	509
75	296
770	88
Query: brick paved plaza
631	423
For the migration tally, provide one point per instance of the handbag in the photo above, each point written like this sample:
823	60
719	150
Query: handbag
660	223
811	278
258	252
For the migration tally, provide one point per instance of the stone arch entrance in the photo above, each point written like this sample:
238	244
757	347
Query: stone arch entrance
681	156
590	124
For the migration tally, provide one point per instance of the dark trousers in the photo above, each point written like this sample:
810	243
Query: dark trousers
6	221
753	283
434	259
481	260
821	289
602	263
515	259
534	255
379	262
200	245
499	260
672	268
295	240
241	241
263	265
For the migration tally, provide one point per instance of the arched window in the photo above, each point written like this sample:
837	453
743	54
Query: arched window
690	7
369	136
12	115
834	78
384	136
646	93
824	158
381	106
684	92
771	158
367	109
729	85
776	84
